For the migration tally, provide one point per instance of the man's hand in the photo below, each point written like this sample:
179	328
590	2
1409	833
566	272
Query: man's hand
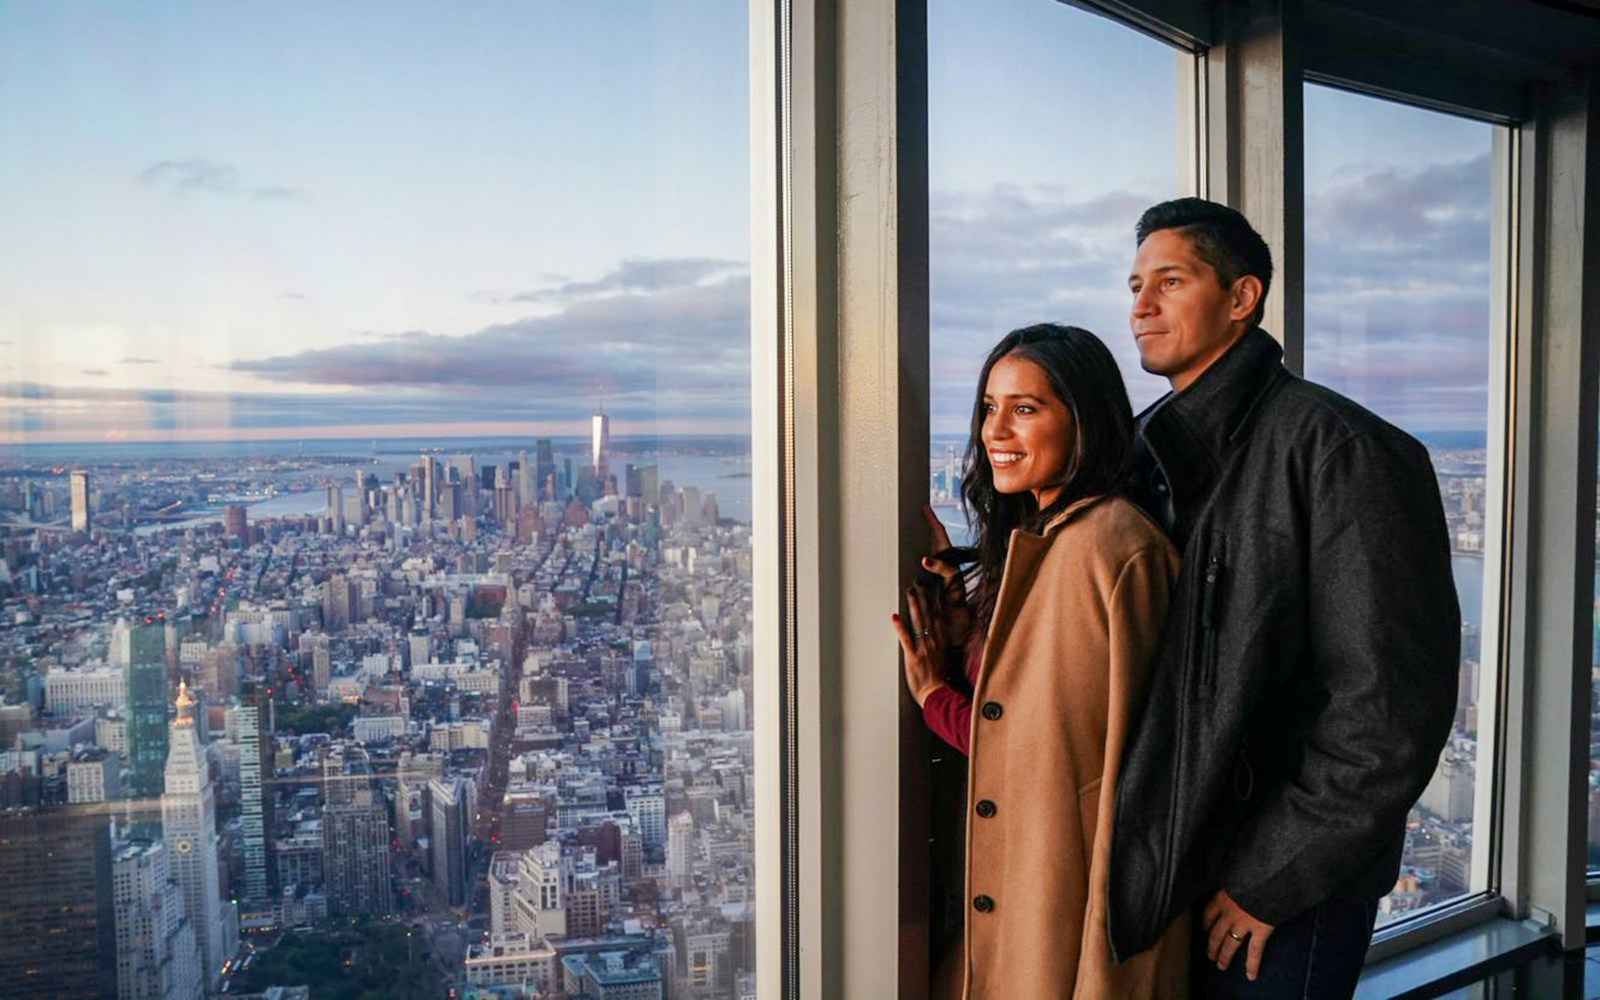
1229	927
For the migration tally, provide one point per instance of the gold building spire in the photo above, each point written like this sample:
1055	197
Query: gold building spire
185	703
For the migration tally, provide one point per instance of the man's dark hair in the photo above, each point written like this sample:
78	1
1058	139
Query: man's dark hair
1220	236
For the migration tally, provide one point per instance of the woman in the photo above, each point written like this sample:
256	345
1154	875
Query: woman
1058	634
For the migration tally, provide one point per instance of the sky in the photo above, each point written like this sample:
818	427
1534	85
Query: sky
1040	172
243	220
1398	248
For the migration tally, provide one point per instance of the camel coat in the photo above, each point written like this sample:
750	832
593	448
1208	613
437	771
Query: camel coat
1074	632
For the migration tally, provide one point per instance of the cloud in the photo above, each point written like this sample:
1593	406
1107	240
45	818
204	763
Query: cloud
671	342
188	176
1397	286
192	175
671	352
95	371
1011	256
617	338
632	276
291	296
1397	291
131	360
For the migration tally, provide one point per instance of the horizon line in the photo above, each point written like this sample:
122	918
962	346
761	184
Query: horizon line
359	432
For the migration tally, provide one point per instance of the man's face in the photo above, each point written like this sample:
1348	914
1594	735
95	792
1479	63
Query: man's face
1183	318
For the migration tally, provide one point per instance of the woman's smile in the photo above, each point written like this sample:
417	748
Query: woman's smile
1027	430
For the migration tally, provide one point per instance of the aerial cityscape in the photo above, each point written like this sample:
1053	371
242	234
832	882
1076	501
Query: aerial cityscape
345	648
470	719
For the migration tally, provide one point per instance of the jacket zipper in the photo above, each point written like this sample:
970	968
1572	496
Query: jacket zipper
1208	625
1203	607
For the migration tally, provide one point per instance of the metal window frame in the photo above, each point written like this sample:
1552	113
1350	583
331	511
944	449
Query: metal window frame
855	261
772	505
841	393
1558	268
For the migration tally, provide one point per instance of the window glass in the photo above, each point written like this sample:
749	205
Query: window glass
374	498
1050	130
1399	204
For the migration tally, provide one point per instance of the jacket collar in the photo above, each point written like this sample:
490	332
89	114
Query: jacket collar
1190	432
1069	512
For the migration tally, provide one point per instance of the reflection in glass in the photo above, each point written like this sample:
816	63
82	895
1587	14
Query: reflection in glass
381	375
1398	265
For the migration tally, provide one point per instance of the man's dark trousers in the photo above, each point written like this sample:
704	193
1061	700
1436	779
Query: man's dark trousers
1316	956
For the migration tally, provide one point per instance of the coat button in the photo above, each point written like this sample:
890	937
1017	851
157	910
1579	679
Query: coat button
992	710
985	808
983	904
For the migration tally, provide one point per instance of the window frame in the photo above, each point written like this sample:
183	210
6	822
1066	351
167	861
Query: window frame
1483	898
854	267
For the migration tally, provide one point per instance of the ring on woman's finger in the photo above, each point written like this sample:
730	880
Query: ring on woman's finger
926	632
1236	936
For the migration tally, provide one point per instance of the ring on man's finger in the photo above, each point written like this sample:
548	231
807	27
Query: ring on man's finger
1236	936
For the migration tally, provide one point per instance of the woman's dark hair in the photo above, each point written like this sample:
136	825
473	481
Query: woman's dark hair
1085	377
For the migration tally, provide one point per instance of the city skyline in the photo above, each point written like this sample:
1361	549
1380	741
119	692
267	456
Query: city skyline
515	711
546	678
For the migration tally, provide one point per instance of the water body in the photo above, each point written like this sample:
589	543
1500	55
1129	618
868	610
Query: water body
282	505
1468	573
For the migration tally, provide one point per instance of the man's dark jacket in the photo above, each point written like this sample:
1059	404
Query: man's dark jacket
1308	671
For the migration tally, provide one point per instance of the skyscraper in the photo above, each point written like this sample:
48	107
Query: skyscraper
236	522
544	469
355	836
189	830
447	837
680	850
538	907
80	500
336	508
157	955
250	730
647	807
600	443
412	774
147	707
341	602
58	934
430	486
527	490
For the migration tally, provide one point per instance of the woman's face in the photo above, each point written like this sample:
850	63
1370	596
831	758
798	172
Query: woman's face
1027	430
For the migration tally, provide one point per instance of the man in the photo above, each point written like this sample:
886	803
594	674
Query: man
1308	670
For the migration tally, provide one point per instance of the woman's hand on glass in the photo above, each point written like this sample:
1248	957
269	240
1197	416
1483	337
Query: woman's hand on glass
957	614
923	641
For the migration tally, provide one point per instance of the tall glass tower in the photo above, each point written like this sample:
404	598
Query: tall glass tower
599	443
147	708
250	729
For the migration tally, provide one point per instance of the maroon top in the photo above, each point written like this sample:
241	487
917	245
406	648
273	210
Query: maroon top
948	710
